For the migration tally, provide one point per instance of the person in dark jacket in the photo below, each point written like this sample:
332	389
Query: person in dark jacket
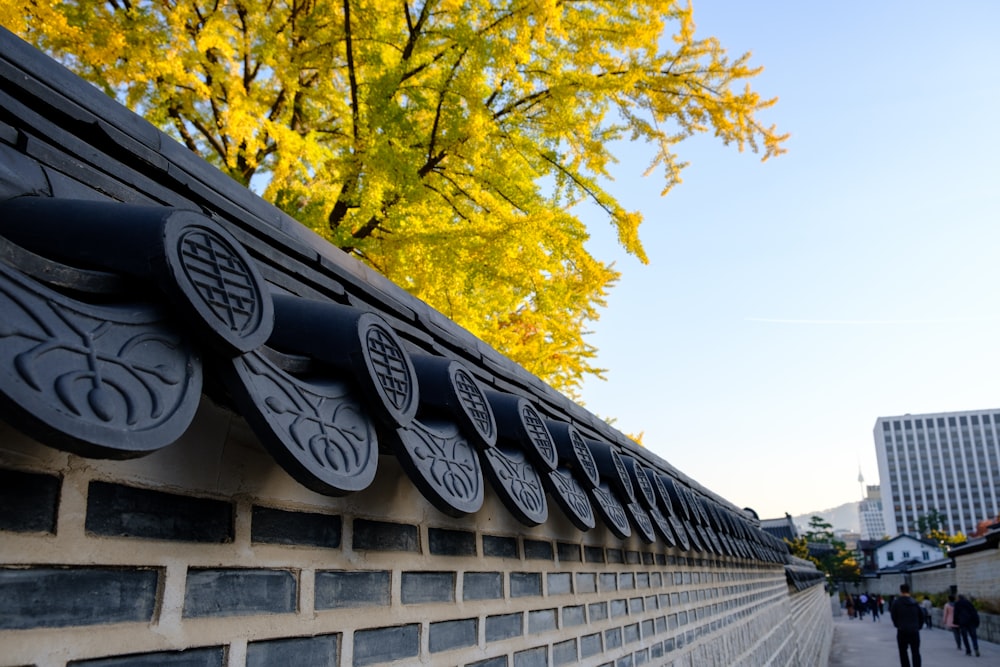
967	620
907	617
873	607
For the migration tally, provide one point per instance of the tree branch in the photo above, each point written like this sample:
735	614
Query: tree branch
580	184
182	130
529	100
351	72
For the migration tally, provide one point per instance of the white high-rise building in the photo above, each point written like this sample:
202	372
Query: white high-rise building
948	462
870	516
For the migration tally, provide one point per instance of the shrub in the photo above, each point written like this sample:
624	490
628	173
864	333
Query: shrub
987	605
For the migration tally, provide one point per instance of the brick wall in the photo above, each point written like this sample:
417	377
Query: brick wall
976	573
326	471
885	585
933	581
207	553
813	633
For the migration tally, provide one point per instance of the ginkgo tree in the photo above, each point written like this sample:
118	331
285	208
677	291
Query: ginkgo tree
444	142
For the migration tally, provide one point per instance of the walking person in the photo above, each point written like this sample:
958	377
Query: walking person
948	621
907	617
873	606
927	605
967	619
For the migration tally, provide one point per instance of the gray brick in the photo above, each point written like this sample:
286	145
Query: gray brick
448	635
239	592
564	653
613	638
635	606
573	616
499	661
337	589
647	558
195	657
661	624
568	553
504	626
482	585
590	645
655	580
652	602
496	546
124	511
586	582
525	584
642	580
384	536
386	644
608	581
275	526
631	633
619	608
598	611
626	581
624	661
537	550
641	656
647	628
319	651
28	501
615	556
541	620
632	557
559	583
422	587
656	650
451	542
593	554
533	657
48	597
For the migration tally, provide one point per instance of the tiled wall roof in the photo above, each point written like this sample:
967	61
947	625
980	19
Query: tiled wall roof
134	278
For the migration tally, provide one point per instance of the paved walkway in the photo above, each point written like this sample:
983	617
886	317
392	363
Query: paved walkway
863	643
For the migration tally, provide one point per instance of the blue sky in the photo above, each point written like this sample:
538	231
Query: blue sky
789	304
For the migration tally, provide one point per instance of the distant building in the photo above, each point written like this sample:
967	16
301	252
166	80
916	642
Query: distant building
783	528
866	555
870	516
898	552
848	537
948	462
